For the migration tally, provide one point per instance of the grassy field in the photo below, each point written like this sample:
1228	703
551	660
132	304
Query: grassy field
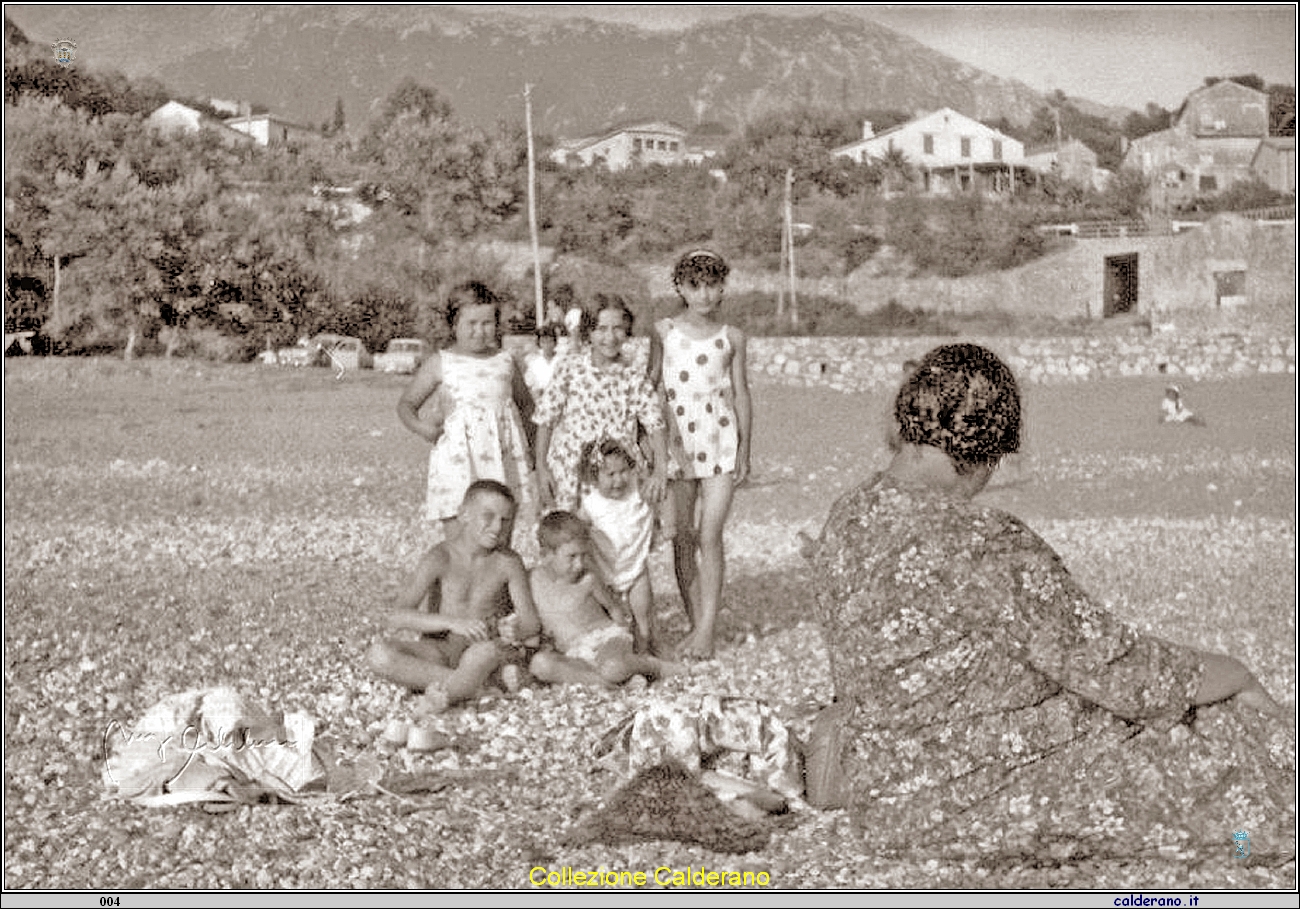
170	525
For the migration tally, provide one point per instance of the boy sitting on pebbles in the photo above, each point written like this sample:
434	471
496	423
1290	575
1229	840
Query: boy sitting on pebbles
577	613
466	584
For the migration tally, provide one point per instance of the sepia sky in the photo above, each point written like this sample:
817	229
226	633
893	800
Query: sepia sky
1125	54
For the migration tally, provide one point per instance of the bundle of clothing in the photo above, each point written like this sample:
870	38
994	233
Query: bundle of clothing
214	746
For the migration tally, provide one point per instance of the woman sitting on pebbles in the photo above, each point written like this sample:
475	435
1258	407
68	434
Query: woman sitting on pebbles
988	706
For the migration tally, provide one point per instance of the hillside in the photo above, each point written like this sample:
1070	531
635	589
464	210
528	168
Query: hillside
299	59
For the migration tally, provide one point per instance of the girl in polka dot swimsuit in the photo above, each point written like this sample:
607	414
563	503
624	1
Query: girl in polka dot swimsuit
701	363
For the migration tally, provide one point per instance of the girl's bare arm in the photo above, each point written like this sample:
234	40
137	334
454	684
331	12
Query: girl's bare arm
425	382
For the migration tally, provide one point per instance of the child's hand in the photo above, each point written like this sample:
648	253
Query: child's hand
474	629
545	485
508	628
742	468
655	487
432	430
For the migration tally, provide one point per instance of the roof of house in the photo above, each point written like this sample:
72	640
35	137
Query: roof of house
252	118
658	126
915	120
202	119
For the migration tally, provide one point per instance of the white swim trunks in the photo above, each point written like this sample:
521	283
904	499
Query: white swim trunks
586	647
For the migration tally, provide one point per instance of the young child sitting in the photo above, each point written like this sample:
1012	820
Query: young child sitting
467	584
622	525
575	609
1174	410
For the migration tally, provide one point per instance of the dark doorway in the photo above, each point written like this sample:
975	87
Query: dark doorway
1120	290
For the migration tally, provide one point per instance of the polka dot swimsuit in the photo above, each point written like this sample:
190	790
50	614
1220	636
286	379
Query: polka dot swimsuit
699	399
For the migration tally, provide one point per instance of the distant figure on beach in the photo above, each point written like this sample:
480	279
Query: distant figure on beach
1173	410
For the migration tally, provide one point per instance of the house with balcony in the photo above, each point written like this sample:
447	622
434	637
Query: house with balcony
950	151
656	142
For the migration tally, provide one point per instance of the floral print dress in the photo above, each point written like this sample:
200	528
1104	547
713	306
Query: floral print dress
483	434
588	403
998	710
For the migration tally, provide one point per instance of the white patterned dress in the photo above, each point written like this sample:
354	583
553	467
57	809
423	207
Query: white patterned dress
482	436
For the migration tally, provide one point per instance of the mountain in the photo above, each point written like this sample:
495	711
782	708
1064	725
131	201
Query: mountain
586	75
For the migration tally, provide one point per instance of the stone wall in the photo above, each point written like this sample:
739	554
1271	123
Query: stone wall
853	364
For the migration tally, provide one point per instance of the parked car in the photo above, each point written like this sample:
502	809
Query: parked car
325	349
402	355
342	352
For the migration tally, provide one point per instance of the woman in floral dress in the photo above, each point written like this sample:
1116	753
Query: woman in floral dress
597	394
992	706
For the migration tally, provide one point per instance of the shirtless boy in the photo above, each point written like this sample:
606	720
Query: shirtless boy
466	586
576	613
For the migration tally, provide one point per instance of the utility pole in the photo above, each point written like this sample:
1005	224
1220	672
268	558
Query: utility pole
532	209
789	242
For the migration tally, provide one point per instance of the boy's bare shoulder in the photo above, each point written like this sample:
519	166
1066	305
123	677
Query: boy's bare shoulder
508	561
436	557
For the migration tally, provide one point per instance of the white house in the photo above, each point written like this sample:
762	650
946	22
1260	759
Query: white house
657	142
174	117
267	129
949	150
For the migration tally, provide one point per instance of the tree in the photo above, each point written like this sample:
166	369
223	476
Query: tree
1281	110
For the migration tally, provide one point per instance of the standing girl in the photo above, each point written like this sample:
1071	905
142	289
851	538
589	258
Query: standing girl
475	426
593	395
701	363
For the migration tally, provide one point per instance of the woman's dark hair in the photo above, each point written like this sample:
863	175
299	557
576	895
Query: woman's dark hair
700	268
964	401
471	293
599	303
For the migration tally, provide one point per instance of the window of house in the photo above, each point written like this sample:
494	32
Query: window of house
636	144
928	139
1209	183
965	146
662	145
672	146
997	149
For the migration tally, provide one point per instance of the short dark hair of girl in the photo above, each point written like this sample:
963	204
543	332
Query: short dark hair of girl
560	527
964	401
700	268
599	303
471	293
551	330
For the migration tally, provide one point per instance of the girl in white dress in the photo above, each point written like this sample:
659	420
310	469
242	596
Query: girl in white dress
475	422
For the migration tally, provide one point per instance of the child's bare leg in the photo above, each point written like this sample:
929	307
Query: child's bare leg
476	666
684	546
557	669
715	506
411	664
640	600
465	682
617	665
